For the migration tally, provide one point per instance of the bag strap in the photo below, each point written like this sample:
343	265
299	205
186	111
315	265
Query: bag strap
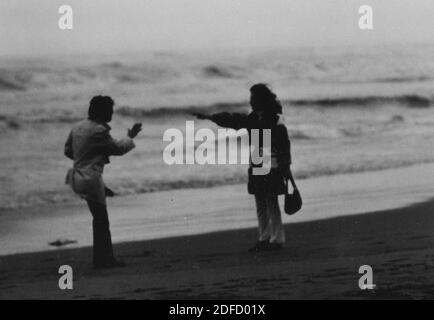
291	178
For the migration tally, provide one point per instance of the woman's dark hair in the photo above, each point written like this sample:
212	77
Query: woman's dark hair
101	108
264	99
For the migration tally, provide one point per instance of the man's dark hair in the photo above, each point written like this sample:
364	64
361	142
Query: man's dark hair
101	108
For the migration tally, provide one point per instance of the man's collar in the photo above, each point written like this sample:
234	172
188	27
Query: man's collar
105	124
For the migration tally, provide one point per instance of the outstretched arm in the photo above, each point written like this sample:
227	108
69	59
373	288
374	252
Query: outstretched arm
228	120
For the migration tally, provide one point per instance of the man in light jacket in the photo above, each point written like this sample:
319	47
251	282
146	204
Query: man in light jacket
89	145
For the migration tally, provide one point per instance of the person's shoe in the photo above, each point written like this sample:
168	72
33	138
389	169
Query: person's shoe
260	246
110	265
273	246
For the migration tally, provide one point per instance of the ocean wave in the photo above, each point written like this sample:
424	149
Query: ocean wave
26	77
214	71
67	116
144	186
70	116
10	85
164	70
403	79
14	122
412	100
406	100
396	119
8	123
299	135
136	112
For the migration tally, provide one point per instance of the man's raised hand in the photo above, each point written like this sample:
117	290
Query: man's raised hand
134	131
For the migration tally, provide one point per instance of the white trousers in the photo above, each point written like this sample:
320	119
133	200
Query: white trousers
269	219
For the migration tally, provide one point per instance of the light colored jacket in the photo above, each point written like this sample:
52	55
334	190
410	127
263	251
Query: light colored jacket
89	145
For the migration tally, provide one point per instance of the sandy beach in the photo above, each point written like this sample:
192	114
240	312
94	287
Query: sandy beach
385	221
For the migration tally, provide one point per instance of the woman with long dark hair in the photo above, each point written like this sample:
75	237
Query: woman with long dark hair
266	114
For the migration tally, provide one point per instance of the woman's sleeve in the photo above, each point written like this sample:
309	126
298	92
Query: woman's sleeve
283	147
231	120
68	147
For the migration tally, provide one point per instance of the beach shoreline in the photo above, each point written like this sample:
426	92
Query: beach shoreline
188	212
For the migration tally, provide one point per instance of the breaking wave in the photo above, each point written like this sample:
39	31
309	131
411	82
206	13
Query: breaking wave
10	85
143	186
179	111
214	71
405	100
70	116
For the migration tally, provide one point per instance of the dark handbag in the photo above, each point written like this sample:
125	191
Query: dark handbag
293	202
